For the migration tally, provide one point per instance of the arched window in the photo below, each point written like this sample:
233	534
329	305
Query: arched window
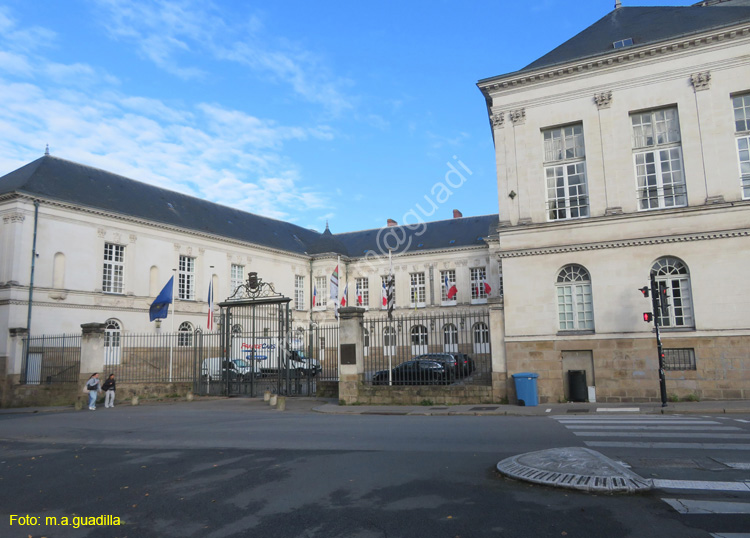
481	338
575	306
675	274
418	340
450	338
389	341
185	334
112	332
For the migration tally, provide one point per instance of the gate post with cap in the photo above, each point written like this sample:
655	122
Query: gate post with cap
351	338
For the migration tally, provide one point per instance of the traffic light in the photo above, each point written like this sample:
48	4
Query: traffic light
648	317
644	291
663	303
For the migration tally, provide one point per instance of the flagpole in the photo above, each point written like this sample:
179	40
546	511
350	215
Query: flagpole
171	338
389	291
338	317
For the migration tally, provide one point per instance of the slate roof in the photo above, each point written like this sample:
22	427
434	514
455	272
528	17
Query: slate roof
57	179
645	25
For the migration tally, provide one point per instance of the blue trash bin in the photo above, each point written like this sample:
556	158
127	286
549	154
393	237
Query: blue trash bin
526	389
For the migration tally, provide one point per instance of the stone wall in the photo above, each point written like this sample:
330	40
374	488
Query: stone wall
626	370
423	395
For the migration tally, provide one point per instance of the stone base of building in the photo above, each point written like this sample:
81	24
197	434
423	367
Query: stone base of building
69	394
626	370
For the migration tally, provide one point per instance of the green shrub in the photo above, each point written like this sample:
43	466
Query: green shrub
692	398
673	397
427	403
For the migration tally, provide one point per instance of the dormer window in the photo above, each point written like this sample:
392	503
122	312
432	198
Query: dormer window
628	41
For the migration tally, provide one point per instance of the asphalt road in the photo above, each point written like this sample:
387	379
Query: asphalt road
238	468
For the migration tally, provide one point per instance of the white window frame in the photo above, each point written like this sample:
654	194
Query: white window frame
417	290
657	159
236	277
419	337
575	303
675	273
186	276
113	272
565	181
299	292
478	276
451	274
480	333
450	338
363	285
321	288
741	106
185	334
112	342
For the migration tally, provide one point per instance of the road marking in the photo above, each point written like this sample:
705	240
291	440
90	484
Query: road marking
690	506
742	420
703	485
730	535
697	446
666	435
618	409
652	427
740	466
637	422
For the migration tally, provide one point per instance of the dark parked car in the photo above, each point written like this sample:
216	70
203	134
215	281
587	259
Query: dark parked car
413	372
465	364
448	360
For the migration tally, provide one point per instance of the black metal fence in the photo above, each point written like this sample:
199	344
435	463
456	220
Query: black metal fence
459	342
51	359
321	343
150	358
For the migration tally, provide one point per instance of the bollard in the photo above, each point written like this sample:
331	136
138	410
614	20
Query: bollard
134	401
78	405
281	403
266	395
189	396
272	400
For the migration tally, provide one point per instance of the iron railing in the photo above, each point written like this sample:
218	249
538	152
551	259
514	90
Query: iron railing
460	341
51	359
151	358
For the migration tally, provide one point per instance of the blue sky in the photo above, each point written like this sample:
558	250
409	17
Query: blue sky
347	112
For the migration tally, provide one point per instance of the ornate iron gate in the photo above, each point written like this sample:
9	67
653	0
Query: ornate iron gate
255	351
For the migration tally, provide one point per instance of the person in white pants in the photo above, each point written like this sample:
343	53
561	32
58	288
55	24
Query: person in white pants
109	391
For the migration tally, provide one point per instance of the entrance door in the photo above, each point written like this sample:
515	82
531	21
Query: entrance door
577	360
112	347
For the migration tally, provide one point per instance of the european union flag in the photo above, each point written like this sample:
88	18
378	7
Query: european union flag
160	307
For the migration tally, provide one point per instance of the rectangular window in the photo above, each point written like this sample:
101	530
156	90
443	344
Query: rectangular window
236	277
186	282
299	292
417	290
362	292
478	290
679	359
741	105
383	288
321	291
448	287
657	154
114	265
565	173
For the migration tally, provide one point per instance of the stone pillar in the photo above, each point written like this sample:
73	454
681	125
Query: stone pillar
351	339
92	350
10	366
497	344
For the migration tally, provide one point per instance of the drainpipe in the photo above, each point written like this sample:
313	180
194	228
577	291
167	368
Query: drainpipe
33	264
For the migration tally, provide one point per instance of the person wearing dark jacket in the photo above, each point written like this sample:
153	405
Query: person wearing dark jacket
109	391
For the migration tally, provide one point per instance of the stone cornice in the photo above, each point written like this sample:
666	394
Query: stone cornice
152	224
619	57
624	243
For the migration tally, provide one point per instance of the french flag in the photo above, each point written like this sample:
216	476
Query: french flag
210	320
343	297
487	288
384	295
315	295
450	289
359	296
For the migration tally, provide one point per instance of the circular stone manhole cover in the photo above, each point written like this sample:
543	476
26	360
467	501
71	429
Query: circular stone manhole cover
574	468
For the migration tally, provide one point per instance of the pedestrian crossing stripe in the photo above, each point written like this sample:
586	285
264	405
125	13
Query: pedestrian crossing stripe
704	485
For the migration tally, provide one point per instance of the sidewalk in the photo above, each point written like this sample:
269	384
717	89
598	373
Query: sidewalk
650	408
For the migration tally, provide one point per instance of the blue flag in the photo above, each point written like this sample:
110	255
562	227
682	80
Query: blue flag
160	307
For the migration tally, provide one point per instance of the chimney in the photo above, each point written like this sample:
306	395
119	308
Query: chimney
457	214
392	222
